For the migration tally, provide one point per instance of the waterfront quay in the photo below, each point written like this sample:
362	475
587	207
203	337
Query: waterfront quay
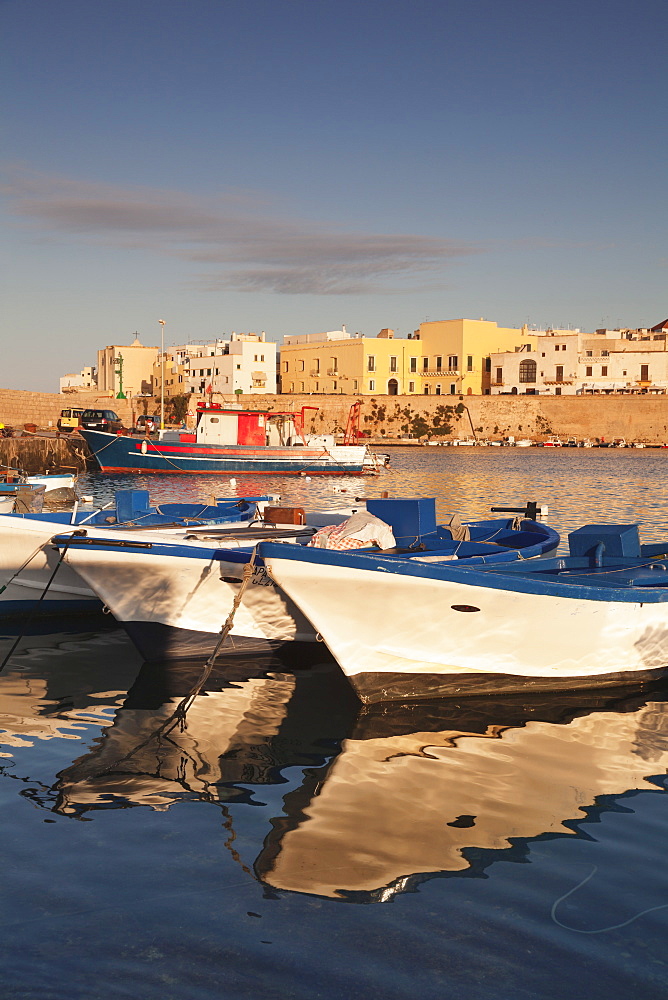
400	419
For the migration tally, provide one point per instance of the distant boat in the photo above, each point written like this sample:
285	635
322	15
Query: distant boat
229	440
553	442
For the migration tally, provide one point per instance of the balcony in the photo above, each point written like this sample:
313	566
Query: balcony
334	372
440	372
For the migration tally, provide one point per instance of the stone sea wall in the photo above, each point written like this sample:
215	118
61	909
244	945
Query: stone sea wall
636	418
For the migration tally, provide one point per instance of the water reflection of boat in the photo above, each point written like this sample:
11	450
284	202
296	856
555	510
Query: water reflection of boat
255	717
454	799
373	800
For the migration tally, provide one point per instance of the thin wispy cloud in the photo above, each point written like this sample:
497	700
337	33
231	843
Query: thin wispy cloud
234	241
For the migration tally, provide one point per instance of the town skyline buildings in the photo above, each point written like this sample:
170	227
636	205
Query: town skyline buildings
294	167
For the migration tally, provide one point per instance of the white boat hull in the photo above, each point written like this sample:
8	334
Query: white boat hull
396	637
175	606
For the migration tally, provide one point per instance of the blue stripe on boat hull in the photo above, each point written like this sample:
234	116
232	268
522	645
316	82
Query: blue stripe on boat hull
157	642
49	608
398	687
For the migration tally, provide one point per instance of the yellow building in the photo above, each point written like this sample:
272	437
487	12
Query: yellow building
455	354
338	362
444	357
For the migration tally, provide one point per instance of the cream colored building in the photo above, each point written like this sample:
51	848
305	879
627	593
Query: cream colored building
137	368
444	357
570	363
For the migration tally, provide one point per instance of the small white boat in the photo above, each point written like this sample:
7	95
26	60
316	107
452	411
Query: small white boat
27	559
524	443
403	627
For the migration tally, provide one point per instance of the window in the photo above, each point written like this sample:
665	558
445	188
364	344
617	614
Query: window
238	368
528	370
354	385
604	369
393	364
285	366
644	373
563	347
255	357
372	385
543	354
624	372
453	362
438	390
487	364
605	354
262	357
557	391
499	374
439	363
453	389
556	347
371	363
413	364
589	354
316	364
411	386
469	363
292	387
425	364
208	371
560	373
426	390
301	385
589	371
300	363
316	388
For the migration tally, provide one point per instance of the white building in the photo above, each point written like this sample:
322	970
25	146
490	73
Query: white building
83	381
246	363
569	363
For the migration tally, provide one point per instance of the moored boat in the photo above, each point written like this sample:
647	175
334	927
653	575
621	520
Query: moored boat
173	598
418	628
229	440
27	560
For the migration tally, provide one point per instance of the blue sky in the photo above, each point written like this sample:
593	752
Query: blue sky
295	165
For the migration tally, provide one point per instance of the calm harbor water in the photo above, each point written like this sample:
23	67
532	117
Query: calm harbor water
283	842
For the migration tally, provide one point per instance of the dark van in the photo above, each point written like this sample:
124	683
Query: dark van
101	420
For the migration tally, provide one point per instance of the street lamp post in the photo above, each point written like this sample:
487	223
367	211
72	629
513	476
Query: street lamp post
162	374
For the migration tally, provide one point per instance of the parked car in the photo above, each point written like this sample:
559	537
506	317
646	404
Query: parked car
101	420
69	419
145	424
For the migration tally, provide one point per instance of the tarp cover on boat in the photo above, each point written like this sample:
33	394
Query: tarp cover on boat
357	532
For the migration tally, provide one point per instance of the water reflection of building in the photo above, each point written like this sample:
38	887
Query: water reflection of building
57	685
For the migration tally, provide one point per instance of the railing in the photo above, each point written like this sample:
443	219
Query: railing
442	372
